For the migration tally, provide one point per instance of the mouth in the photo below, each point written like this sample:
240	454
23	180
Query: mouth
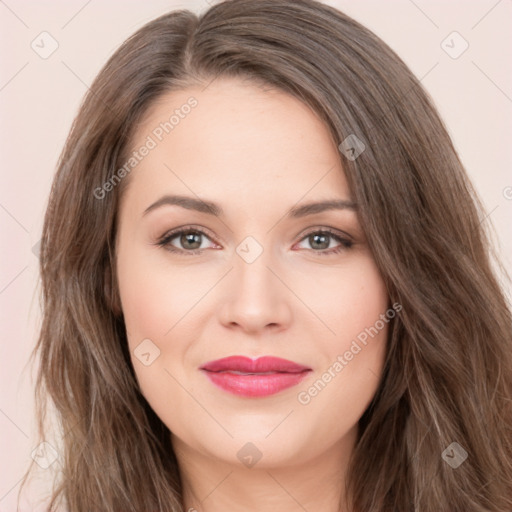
260	377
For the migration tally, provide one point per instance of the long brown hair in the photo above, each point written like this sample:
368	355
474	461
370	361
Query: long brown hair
448	370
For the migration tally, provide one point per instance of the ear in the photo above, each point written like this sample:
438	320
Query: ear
111	291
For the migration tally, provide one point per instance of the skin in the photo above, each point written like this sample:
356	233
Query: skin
257	153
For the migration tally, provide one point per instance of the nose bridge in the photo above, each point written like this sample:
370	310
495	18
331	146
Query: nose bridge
255	297
254	283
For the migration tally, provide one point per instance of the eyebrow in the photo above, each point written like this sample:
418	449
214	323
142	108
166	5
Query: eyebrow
210	208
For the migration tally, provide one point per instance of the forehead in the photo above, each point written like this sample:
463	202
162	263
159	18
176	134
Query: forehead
235	139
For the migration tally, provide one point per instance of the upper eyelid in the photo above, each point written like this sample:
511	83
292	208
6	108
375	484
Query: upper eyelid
184	229
336	233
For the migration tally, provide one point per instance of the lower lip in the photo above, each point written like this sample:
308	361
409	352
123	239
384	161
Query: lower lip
255	385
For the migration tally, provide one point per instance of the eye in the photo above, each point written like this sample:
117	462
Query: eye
321	241
190	240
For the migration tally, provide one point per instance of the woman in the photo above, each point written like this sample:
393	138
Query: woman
265	280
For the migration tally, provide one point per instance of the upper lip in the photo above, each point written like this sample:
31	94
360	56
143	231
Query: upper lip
260	365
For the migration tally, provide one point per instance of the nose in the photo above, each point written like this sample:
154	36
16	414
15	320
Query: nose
255	297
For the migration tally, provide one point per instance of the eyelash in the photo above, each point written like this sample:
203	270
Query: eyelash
164	241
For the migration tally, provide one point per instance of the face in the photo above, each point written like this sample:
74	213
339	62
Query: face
221	254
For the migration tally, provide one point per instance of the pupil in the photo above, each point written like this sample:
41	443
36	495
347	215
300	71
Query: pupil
319	240
191	240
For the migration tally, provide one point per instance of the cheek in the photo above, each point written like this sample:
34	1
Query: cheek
356	307
364	331
163	306
154	298
155	302
348	301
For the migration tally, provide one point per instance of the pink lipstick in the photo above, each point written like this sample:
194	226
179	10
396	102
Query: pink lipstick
264	376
